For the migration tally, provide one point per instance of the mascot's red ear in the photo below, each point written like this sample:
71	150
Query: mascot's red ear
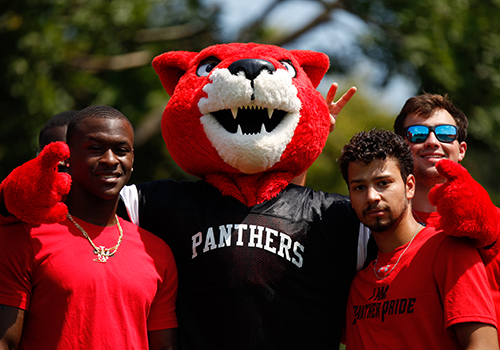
315	64
171	66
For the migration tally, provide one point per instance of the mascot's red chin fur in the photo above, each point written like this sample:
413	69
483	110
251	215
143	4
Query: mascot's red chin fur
244	117
247	119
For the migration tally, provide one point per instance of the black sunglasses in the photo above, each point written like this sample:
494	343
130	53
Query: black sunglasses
420	133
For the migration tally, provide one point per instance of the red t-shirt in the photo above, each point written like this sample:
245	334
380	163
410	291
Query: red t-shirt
493	272
73	302
492	269
439	281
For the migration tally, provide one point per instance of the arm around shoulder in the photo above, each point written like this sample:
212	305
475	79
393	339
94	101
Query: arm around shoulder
11	327
477	336
466	209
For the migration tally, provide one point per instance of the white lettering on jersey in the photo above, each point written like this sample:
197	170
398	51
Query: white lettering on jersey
240	228
210	241
296	248
250	236
197	238
285	247
225	236
254	236
270	240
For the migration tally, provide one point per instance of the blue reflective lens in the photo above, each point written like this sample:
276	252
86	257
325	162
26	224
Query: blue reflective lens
420	133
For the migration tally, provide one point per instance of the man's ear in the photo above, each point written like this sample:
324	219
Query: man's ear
462	148
410	186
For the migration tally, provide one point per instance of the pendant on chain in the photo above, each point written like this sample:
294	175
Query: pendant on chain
102	254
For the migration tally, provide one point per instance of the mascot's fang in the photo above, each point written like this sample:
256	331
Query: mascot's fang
248	120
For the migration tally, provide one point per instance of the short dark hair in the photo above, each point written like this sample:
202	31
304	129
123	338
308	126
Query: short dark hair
97	111
367	146
60	119
425	105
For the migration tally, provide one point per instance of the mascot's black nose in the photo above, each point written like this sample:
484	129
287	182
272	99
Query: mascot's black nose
251	66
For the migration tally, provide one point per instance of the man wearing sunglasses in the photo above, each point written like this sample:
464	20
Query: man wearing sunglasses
435	129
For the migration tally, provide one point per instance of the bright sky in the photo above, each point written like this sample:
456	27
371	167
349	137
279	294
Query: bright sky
335	35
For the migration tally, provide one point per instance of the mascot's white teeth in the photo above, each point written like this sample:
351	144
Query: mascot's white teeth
234	111
249	120
262	131
237	103
250	137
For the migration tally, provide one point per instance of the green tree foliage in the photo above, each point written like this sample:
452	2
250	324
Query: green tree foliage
446	46
59	55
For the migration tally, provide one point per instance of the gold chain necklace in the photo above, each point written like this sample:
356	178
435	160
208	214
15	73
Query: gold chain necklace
396	264
102	252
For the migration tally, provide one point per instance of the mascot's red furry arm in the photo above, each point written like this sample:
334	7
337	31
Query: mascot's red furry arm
33	192
465	209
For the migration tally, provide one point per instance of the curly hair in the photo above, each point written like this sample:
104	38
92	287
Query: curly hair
97	111
425	105
367	146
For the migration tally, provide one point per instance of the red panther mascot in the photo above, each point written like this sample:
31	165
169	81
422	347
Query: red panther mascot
263	264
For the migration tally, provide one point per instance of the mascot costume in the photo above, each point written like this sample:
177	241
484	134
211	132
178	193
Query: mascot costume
263	264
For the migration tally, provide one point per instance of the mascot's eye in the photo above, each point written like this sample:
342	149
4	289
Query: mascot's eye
289	68
206	66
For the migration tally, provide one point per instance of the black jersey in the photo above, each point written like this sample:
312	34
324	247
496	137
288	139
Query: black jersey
272	276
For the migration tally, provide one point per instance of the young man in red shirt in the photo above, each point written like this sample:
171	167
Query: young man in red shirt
93	281
435	129
425	290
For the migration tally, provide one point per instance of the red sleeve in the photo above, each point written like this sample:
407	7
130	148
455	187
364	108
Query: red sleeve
463	284
493	273
16	260
162	314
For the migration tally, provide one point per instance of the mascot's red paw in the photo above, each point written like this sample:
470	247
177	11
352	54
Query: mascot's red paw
466	209
33	191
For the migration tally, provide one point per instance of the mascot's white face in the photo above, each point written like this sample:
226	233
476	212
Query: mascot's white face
271	103
244	111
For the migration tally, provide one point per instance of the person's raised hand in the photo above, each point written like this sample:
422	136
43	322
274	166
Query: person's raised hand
336	107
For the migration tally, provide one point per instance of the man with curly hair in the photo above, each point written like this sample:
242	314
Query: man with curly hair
418	292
